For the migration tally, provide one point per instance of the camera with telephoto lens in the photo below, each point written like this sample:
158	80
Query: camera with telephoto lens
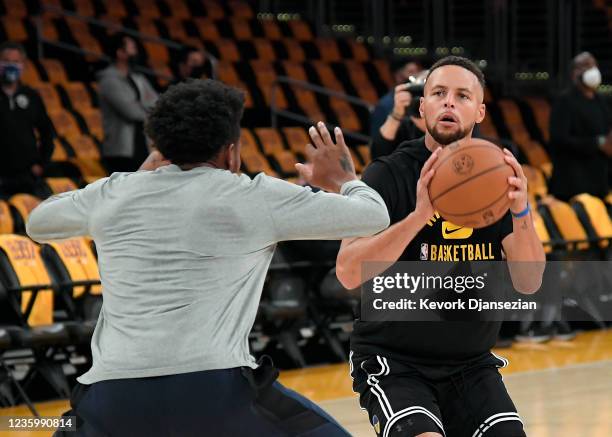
415	86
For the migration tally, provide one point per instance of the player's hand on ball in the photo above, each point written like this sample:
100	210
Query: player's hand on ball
518	183
424	208
154	161
329	165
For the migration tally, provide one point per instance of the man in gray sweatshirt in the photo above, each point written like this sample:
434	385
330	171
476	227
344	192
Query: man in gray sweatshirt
184	246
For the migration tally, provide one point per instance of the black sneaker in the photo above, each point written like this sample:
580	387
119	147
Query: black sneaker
564	332
535	334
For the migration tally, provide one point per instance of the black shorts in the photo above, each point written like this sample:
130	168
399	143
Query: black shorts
406	400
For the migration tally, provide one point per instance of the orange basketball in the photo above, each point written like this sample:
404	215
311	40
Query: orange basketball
470	187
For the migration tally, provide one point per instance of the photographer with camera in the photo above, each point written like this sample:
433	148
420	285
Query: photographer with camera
403	123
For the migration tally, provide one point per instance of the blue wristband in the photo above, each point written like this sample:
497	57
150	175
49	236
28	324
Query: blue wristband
523	213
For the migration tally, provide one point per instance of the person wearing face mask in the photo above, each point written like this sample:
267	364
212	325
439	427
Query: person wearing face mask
22	115
580	134
192	65
125	98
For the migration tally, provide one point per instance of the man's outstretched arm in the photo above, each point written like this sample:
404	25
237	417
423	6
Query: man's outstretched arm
65	215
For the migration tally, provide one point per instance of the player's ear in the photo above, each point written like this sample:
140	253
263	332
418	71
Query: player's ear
482	110
233	157
421	103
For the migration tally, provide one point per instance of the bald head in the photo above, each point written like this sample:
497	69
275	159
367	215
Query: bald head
581	63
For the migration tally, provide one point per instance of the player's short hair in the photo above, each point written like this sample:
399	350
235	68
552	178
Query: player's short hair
12	45
460	62
193	120
115	42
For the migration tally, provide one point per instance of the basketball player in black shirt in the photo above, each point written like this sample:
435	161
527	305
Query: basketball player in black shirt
428	379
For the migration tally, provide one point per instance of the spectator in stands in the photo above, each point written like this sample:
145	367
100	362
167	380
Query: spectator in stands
192	65
404	122
580	134
402	69
22	117
125	99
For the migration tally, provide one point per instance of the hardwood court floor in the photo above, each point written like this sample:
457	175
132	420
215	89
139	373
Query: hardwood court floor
561	389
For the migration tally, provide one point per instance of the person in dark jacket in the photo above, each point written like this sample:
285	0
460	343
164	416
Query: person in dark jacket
402	69
580	134
22	117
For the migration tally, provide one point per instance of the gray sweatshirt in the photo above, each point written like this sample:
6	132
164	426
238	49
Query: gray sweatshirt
183	256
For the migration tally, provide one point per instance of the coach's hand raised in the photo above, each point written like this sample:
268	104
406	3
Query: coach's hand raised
329	165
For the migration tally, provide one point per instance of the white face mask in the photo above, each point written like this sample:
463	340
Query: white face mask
592	77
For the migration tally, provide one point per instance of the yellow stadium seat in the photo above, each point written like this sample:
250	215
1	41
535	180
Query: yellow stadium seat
365	153
89	167
294	49
156	52
146	25
361	82
60	185
241	28
30	75
269	139
328	49
360	51
59	153
356	161
93	120
272	144
49	95
297	138
81	266
24	259
84	146
64	123
14	28
228	50
327	76
384	72
115	8
536	182
24	203
271	30
15	9
301	30
541	230
252	158
7	224
176	27
84	7
564	221
264	49
207	28
241	9
347	118
79	96
147	8
487	128
594	216
541	112
179	9
55	71
213	10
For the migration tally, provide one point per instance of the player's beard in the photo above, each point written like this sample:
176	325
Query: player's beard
446	138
